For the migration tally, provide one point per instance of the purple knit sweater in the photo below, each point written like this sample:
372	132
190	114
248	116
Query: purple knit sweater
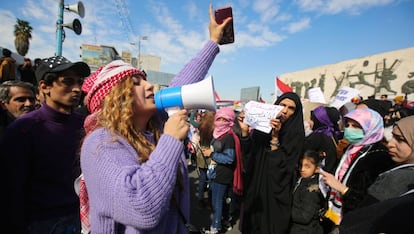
39	153
128	197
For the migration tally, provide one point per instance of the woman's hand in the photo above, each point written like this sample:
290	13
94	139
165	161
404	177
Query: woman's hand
177	125
243	126
332	182
216	30
276	126
206	152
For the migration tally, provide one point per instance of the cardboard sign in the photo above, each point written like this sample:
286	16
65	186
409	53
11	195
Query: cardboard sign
344	95
316	95
258	115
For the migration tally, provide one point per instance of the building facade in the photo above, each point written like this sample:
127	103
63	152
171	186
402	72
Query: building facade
390	73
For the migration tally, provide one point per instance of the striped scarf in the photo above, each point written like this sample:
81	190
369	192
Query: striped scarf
348	161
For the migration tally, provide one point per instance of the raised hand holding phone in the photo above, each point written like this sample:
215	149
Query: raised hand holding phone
221	14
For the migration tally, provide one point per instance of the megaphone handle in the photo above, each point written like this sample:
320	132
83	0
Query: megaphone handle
172	110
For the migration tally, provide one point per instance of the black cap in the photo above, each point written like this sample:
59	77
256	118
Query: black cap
58	64
6	52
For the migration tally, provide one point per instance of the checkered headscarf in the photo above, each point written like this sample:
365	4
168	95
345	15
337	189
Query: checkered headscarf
101	82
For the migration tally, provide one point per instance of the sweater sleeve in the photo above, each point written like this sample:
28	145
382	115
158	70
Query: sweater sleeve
119	187
228	154
196	69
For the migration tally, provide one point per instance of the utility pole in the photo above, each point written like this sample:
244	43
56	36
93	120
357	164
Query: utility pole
76	25
59	29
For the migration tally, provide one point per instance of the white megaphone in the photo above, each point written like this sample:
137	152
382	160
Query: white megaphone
76	26
199	95
77	8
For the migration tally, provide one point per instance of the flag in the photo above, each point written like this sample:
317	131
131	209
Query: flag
216	96
281	87
261	99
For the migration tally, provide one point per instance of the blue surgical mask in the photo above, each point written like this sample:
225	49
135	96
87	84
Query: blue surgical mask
354	135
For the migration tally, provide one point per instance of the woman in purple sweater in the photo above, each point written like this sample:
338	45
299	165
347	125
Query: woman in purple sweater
132	159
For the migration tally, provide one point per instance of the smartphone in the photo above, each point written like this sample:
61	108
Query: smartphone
228	34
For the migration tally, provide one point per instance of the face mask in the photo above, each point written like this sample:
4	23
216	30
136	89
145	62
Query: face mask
354	135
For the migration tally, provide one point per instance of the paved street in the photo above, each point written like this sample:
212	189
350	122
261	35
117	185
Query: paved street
200	217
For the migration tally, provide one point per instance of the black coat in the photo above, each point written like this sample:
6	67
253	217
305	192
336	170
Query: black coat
365	172
389	216
307	201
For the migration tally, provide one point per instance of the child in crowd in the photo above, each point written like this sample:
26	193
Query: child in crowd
307	198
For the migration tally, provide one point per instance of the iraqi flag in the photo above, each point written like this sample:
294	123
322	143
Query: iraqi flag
281	87
216	96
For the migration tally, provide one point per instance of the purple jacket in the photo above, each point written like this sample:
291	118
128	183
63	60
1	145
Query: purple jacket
128	197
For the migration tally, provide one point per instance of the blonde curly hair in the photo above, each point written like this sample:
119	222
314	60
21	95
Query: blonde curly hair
117	116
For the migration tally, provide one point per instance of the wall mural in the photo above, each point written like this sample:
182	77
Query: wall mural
374	75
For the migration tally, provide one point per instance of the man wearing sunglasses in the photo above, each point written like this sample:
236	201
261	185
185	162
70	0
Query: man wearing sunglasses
41	153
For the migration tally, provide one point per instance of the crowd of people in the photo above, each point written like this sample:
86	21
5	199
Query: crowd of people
121	166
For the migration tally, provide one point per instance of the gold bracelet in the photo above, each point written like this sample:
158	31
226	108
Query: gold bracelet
345	191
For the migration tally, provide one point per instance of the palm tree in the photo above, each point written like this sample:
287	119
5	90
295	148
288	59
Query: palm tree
23	33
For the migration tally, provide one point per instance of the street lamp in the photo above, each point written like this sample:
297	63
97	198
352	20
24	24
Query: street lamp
141	38
139	50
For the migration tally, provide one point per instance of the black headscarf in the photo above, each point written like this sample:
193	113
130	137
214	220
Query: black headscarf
375	105
292	132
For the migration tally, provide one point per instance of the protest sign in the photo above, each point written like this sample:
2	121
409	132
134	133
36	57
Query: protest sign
258	115
343	96
316	95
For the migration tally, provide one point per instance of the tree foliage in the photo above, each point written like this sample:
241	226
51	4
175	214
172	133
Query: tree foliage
22	33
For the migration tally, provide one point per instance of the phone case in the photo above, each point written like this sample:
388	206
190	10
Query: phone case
228	34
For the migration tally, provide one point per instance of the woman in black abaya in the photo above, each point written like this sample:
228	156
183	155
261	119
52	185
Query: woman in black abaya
270	169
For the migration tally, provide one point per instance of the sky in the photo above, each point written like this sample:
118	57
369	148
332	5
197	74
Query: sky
272	37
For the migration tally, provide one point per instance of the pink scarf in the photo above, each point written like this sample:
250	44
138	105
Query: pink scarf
222	127
237	174
84	206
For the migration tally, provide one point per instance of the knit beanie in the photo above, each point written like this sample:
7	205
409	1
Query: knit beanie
399	99
101	82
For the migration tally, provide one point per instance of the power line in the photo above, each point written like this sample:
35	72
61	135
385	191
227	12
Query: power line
125	20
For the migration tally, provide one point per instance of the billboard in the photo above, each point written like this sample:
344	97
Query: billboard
126	56
96	55
249	94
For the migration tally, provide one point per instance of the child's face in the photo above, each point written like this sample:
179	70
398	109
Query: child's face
308	168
